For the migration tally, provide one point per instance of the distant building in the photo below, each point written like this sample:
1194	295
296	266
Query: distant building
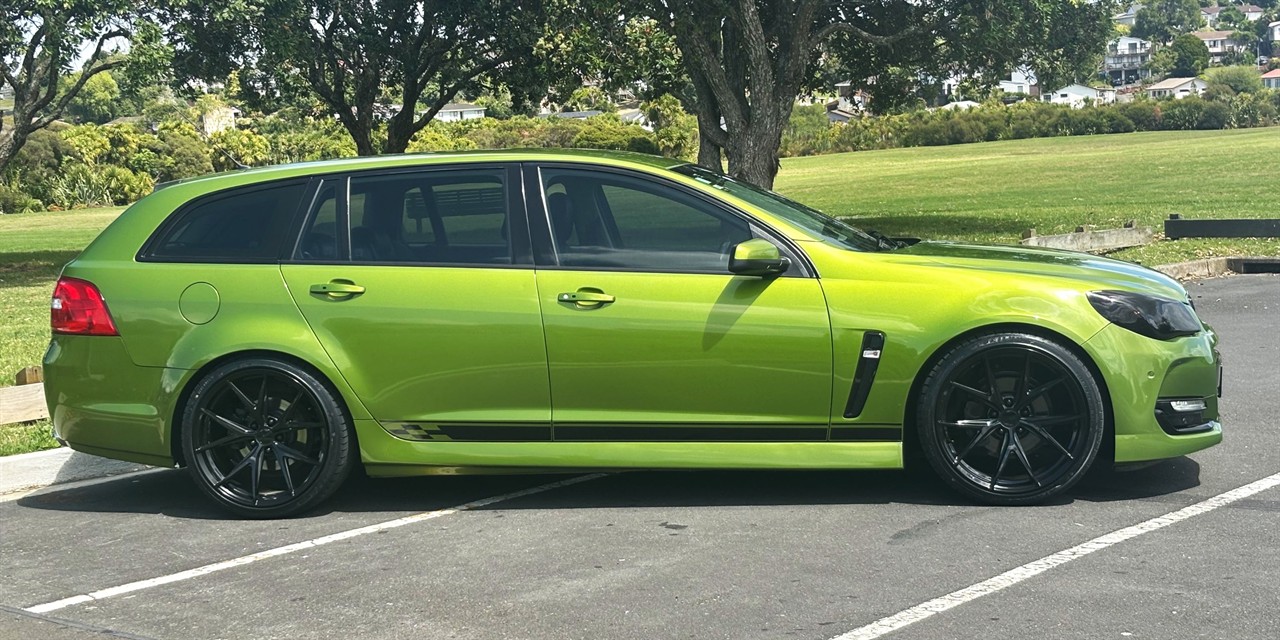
1177	88
1126	60
1271	79
1078	95
1274	30
217	119
1210	14
455	111
1220	44
1129	16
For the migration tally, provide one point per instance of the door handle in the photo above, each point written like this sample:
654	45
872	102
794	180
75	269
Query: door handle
586	298
337	289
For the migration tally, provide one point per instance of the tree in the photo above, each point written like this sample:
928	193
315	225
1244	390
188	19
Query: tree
39	42
97	100
1238	79
1186	57
401	60
1161	20
747	60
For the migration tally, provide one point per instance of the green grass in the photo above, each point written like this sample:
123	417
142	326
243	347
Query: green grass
993	192
33	249
25	438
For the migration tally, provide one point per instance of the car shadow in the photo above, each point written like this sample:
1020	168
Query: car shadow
173	493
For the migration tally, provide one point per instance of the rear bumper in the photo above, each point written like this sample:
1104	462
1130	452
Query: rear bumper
102	403
1140	373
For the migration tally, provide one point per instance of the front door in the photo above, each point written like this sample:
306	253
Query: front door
649	337
420	286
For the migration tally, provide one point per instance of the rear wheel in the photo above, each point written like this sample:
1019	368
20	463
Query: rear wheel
1011	418
265	438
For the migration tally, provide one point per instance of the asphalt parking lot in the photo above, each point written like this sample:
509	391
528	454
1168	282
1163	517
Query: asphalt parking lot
814	555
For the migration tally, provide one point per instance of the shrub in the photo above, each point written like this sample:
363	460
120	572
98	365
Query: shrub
15	201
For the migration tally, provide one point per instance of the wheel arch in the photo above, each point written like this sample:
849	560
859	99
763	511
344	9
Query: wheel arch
910	439
180	406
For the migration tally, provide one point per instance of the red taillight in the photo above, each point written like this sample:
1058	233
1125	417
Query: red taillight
78	308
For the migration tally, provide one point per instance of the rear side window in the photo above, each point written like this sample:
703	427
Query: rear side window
245	225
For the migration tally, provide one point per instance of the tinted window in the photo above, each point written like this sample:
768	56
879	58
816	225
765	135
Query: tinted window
606	220
245	225
320	242
438	217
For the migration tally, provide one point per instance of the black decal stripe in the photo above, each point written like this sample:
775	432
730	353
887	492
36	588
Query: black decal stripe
471	432
866	434
700	433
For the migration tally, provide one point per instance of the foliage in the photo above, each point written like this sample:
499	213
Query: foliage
97	99
1186	57
1238	79
675	131
590	99
234	148
1161	20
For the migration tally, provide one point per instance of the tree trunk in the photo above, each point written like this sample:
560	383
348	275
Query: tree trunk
709	155
10	143
753	154
361	130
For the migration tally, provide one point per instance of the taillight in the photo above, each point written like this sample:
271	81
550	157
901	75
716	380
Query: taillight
78	309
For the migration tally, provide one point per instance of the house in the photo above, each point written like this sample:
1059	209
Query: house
1021	81
1271	79
960	105
1210	14
456	111
1177	88
1078	95
850	99
217	119
1130	15
1126	60
1274	30
1220	43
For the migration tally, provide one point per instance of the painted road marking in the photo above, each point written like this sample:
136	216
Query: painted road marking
1014	576
299	546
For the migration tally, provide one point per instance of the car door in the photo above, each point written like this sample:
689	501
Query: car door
650	337
420	286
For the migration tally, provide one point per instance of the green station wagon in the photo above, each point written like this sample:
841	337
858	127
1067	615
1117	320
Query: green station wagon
503	312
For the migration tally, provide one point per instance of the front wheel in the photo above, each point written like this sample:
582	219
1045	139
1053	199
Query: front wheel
1011	418
266	438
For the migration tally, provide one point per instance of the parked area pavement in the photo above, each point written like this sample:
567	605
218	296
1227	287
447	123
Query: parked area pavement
1187	548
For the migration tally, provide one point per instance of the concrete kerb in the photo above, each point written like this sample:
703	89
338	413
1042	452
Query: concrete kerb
28	472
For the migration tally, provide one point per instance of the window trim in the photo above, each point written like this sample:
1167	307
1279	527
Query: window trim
286	242
544	252
517	217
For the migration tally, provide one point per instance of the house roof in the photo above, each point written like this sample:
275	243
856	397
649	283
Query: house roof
1274	73
460	106
1170	83
1213	35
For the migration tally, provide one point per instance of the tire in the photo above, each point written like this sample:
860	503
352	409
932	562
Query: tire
1010	418
265	438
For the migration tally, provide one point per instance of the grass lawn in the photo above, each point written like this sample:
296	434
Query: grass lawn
994	191
33	248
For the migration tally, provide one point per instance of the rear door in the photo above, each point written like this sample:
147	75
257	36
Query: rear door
420	286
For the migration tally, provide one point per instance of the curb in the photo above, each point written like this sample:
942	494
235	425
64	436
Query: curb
29	471
1214	267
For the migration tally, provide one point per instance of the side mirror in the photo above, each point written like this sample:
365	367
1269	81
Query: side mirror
757	257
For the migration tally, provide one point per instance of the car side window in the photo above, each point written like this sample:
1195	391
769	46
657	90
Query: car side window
243	225
616	221
455	217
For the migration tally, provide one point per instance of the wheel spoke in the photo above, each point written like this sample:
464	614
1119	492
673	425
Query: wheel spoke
290	452
255	474
991	376
284	470
1022	457
969	424
1042	389
235	437
1004	460
975	393
1044	433
262	400
982	435
288	411
1026	376
227	423
244	462
244	399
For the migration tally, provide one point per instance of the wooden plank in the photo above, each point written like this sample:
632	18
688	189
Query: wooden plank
1089	240
22	404
1175	227
30	375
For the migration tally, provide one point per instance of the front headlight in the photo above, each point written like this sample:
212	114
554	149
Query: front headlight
1151	316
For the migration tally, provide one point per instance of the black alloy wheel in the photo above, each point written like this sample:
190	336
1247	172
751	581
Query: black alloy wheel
265	438
1011	418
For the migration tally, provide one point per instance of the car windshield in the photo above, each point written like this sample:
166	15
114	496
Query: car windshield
835	231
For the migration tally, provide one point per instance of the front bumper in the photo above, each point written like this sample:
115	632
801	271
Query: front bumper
1140	373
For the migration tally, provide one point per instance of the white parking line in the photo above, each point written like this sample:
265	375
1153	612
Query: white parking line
299	546
1014	576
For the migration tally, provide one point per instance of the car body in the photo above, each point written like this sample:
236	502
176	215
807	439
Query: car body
523	310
